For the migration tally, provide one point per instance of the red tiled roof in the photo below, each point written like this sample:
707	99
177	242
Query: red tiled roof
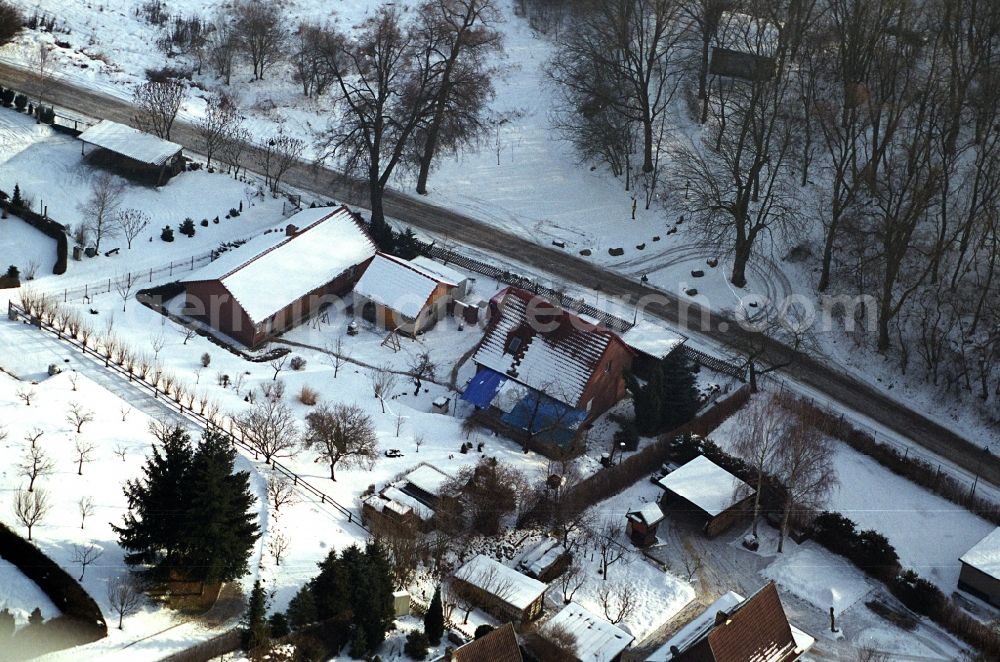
755	631
500	645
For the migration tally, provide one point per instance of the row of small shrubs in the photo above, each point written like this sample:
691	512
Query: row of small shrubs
46	225
914	469
62	589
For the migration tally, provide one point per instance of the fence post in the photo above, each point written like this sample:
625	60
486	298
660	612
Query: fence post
171	267
151	274
972	492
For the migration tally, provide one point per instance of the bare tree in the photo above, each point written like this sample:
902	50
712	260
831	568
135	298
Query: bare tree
281	152
385	79
216	125
804	466
342	434
278	545
464	39
125	286
120	451
312	71
124	596
86	555
223	47
157	104
572	579
760	433
35	462
261	33
84	453
269	428
31	507
277	364
131	223
556	644
234	147
25	394
421	368
157	342
383	381
78	415
280	491
606	542
618	601
86	508
337	355
98	210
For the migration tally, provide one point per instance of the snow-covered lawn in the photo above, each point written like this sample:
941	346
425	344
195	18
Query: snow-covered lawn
819	577
928	532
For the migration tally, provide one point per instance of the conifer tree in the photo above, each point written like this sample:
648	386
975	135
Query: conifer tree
222	524
6	624
154	529
16	200
256	631
434	619
35	617
302	608
668	399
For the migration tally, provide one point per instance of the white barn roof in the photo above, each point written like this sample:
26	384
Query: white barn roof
706	485
985	555
427	478
136	145
272	270
597	640
398	285
495	578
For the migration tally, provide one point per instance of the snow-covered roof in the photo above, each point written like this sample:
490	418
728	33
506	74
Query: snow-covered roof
398	285
597	640
382	503
422	511
557	358
652	339
697	628
444	273
123	139
427	478
540	558
985	555
650	513
706	485
517	590
273	270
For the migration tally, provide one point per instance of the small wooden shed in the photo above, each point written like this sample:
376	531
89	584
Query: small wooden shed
706	488
641	524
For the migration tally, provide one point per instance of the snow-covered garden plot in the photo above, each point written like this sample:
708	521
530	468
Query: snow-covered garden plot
101	483
928	532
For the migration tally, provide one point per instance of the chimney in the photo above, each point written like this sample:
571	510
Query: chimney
291	230
674	651
448	654
721	617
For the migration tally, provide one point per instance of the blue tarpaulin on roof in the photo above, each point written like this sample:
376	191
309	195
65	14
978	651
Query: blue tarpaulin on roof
482	388
553	421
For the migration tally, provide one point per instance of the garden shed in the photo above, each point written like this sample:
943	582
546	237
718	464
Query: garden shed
708	490
133	153
980	574
595	639
501	591
403	296
641	524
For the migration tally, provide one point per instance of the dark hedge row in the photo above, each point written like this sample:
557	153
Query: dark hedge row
46	225
87	622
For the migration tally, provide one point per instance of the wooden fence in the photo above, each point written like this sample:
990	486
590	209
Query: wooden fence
235	436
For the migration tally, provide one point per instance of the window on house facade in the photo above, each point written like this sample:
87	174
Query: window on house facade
513	345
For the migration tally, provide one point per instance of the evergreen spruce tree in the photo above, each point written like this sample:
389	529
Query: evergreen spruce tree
329	590
359	645
16	201
278	625
679	391
221	522
155	527
35	617
377	605
434	619
302	608
256	632
6	624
